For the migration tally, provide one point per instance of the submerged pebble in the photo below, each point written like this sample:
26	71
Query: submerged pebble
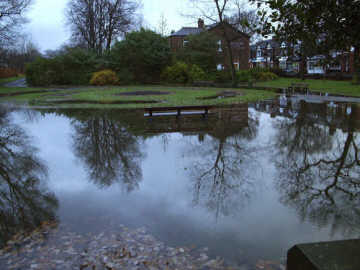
56	247
122	248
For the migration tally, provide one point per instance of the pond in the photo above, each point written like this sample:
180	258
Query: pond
244	184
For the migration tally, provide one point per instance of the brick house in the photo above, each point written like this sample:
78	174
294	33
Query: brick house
271	53
240	42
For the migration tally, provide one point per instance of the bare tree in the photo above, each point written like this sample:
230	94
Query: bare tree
218	11
163	25
246	20
97	23
11	17
21	52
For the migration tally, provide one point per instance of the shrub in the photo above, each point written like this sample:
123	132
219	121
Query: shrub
43	72
104	77
266	76
355	79
78	66
125	76
258	74
243	75
144	53
197	74
276	70
73	66
222	76
177	73
201	50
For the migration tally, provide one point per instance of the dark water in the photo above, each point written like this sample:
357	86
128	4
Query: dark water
248	182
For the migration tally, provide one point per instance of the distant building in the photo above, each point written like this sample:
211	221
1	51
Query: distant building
240	43
273	54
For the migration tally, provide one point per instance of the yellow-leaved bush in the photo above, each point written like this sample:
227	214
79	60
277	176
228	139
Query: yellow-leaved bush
104	77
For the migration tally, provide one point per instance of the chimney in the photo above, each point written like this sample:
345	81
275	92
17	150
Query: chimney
201	23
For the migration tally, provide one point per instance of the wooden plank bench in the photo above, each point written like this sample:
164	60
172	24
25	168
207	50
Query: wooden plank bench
178	111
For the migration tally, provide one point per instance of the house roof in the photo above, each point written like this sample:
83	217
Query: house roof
185	31
211	26
264	43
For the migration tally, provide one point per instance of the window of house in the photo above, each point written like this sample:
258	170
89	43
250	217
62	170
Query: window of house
185	42
282	65
311	65
236	65
258	52
219	46
348	110
219	67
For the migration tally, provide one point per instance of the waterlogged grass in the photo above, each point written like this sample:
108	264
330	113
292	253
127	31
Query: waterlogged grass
328	86
4	91
109	97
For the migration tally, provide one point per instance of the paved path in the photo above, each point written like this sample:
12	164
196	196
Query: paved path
17	83
324	99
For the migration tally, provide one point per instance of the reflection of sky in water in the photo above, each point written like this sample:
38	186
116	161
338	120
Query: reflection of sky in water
261	227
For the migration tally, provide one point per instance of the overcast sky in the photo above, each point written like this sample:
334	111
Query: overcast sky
47	22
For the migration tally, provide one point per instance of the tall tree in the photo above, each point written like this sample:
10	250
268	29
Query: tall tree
201	50
143	53
216	11
163	28
17	56
11	17
97	23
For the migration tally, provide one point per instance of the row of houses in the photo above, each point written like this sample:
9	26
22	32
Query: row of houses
266	53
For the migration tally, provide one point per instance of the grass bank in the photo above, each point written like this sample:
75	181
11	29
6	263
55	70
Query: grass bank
130	96
328	86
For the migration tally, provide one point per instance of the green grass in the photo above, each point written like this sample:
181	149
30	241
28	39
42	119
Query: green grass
328	86
8	80
105	96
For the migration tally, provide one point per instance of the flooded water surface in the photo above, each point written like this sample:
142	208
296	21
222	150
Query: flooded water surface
245	183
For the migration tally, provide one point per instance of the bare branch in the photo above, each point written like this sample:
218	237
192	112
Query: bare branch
96	24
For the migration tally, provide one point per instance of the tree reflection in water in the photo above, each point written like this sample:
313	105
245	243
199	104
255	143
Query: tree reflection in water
319	169
25	201
110	152
221	170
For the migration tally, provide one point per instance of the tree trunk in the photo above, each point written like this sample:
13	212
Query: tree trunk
302	67
220	11
302	62
231	60
356	75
